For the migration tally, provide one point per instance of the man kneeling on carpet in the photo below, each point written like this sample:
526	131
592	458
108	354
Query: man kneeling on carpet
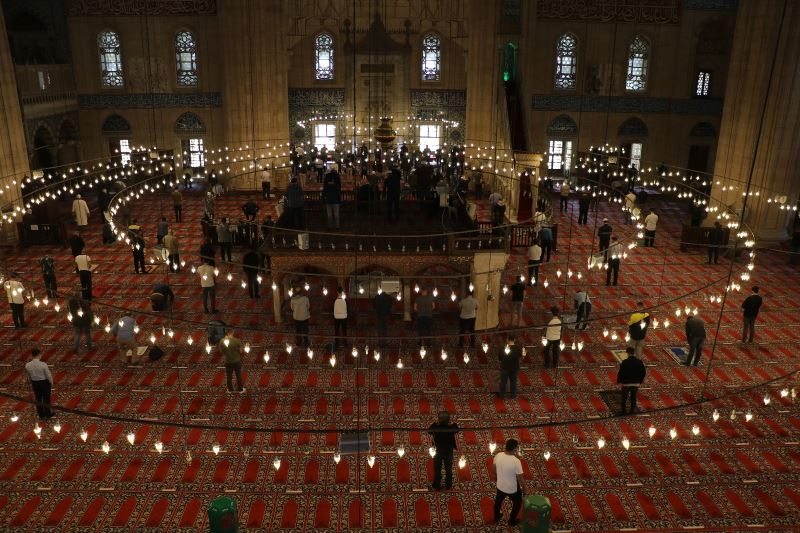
631	374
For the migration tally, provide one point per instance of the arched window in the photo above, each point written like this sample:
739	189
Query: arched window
323	56
108	46
566	62
431	57
186	59
638	55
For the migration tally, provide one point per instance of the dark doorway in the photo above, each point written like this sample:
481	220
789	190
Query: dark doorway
698	157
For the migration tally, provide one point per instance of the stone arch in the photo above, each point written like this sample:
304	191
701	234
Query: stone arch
632	127
115	124
189	124
562	126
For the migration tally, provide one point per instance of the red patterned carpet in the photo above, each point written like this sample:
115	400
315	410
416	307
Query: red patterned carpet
734	475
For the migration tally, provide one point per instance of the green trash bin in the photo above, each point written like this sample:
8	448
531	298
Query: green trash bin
536	514
222	516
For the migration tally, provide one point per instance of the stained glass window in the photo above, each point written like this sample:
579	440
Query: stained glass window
638	55
566	62
125	151
431	57
323	56
703	83
186	59
197	157
110	59
559	155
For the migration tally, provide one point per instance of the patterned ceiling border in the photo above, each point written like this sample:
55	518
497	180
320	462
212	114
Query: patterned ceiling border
420	98
635	11
316	97
627	104
145	100
116	8
712	5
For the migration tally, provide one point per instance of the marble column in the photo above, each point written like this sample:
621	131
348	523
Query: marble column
483	72
256	97
487	269
766	33
14	162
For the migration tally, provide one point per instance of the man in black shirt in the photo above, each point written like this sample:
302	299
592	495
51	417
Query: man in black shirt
583	208
208	252
443	434
251	263
715	237
517	302
509	367
630	375
393	185
76	244
604	235
751	305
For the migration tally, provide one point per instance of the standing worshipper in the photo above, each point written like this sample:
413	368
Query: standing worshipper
638	324
382	303
161	230
76	244
552	337
15	292
250	210
424	306
177	204
583	208
507	474
517	302
225	239
630	206
251	265
48	266
103	201
80	211
187	180
266	183
339	318
124	330
208	252
564	203
715	237
392	184
510	358
583	306
332	197
294	204
546	241
231	349
208	284
173	253
301	313
83	263
695	337
534	260
750	306
41	382
631	374
613	258
650	223
137	247
81	312
443	436
604	235
468	309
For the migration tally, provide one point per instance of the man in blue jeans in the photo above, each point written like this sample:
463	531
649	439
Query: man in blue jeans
507	473
509	367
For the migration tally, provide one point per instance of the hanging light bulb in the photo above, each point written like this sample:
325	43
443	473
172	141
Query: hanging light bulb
492	447
748	416
354	352
153	338
306	286
784	393
324	291
673	433
159	446
57	427
546	283
432	451
337	457
767	399
216	448
332	360
371	460
377	355
614	336
505	289
131	436
310	353
601	443
466	358
580	345
266	356
485	347
651	431
401	451
84	435
666	322
695	430
422	352
289	348
208	348
435	292
453	296
626	443
546	455
276	463
605	332
14	417
274	286
715	415
399	363
462	462
106	447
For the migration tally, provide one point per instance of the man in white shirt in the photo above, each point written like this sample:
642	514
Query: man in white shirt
340	317
84	265
15	293
553	338
209	285
301	313
534	260
266	183
509	482
466	324
41	381
650	223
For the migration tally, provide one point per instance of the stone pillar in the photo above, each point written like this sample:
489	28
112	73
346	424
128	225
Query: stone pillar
487	269
14	162
483	71
256	96
765	30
